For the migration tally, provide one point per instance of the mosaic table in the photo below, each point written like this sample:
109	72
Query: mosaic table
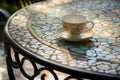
31	33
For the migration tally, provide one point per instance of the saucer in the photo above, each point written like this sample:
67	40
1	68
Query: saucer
81	37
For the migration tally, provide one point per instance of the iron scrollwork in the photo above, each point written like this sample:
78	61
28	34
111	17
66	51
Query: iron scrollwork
37	71
19	64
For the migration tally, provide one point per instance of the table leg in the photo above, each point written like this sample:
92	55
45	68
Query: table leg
8	62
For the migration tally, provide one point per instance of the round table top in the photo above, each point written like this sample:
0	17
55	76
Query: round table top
33	30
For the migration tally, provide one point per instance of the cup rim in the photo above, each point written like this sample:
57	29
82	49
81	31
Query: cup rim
66	18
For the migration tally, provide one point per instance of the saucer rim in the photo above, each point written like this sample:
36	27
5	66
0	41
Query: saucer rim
57	32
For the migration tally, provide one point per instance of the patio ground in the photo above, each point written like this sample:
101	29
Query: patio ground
3	69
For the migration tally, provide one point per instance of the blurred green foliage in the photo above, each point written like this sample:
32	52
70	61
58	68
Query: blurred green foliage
9	5
13	5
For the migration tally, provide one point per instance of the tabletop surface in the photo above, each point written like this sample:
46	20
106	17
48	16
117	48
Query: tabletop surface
33	28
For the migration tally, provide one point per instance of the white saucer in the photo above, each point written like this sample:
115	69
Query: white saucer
66	36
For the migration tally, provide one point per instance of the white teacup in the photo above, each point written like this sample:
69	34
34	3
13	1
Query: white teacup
76	24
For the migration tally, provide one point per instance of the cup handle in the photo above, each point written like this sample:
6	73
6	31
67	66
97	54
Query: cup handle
89	27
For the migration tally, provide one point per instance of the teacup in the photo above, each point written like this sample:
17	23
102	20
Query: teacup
76	24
